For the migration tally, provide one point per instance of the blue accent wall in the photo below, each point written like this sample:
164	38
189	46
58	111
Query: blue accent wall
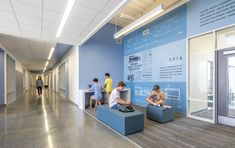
101	54
207	15
156	53
166	29
1	76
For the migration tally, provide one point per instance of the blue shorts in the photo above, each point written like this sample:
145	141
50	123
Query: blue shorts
97	97
116	106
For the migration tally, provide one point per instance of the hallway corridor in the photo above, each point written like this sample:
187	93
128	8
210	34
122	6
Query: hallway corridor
50	121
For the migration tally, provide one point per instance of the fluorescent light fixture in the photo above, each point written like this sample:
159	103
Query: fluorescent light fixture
65	17
51	52
104	21
228	52
46	64
148	16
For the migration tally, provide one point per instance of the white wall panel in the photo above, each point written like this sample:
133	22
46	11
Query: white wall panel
72	58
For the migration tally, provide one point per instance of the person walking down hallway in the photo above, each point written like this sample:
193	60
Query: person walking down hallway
39	85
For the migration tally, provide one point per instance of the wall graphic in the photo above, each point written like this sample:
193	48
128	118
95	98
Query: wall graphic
139	66
206	15
156	54
168	28
175	93
170	62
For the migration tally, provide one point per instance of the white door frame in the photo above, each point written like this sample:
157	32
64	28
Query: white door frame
215	120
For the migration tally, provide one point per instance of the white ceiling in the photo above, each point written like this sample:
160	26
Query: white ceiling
31	53
40	19
37	21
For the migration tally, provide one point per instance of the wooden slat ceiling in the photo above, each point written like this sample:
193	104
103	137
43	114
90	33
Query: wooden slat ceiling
137	8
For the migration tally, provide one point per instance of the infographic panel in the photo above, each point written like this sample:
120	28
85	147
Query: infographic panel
166	63
138	67
175	93
207	15
154	54
166	29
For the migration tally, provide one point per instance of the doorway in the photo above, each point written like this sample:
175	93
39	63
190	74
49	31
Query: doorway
226	86
54	83
2	101
201	78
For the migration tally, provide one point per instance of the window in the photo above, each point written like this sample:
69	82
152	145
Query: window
201	86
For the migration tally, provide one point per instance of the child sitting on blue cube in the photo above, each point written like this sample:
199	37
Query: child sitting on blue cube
157	96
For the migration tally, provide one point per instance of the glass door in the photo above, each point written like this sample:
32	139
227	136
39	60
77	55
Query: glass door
226	86
201	78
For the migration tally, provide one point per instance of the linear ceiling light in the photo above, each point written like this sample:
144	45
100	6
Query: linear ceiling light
148	16
51	52
46	64
65	17
104	21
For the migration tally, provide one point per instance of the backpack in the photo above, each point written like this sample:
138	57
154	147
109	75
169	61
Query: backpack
126	108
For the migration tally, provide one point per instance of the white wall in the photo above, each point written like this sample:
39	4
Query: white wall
55	77
26	83
72	57
50	80
18	66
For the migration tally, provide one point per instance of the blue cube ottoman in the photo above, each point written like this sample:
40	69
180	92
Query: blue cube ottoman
159	114
124	123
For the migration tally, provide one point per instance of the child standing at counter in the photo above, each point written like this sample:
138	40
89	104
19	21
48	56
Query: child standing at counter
97	93
108	86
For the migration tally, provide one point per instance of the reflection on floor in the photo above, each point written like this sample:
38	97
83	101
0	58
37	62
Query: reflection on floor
49	121
207	114
183	133
231	112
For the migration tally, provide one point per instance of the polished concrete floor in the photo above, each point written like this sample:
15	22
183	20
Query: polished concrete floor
50	121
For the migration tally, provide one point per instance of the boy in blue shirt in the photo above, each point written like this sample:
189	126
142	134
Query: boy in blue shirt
97	88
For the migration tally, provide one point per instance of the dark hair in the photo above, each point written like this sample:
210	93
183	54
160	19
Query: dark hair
107	74
39	77
156	87
121	83
95	80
